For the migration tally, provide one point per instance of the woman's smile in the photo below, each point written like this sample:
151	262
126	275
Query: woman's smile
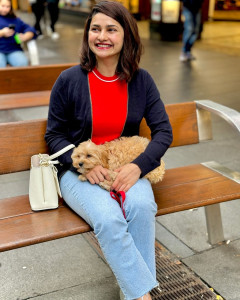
103	46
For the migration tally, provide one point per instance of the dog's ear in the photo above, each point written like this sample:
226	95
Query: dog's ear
75	153
102	154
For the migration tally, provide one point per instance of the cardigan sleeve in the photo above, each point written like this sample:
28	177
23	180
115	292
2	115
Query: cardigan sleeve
161	130
23	27
57	136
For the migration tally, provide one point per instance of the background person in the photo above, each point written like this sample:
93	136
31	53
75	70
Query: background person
53	10
103	98
10	47
38	8
191	27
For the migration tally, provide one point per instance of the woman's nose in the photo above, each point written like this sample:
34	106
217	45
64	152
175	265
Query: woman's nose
102	36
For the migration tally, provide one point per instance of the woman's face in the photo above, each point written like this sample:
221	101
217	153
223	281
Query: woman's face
5	7
105	37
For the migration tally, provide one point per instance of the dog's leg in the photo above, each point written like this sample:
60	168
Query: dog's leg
82	177
106	184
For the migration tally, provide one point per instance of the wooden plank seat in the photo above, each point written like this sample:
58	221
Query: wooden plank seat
182	188
22	100
28	86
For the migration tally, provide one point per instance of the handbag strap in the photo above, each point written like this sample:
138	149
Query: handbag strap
60	152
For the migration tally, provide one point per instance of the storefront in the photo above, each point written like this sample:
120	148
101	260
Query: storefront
140	8
224	10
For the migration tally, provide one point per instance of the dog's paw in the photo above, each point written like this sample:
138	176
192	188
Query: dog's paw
106	185
82	178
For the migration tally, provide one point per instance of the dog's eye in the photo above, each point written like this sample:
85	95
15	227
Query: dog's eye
89	155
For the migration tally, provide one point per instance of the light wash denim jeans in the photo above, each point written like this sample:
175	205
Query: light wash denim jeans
128	244
191	29
15	59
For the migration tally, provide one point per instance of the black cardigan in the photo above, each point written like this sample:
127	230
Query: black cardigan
70	116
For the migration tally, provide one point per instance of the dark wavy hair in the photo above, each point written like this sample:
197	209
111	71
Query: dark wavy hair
11	13
132	48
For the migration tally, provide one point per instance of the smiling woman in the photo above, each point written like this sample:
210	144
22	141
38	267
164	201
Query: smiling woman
103	99
105	40
118	19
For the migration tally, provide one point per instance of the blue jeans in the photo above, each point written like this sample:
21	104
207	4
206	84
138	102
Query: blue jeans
128	244
15	59
190	29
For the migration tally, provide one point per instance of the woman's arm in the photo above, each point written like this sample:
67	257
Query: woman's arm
161	133
25	31
24	37
161	130
57	136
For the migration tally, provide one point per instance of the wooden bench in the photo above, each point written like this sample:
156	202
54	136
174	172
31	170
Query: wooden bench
28	86
183	188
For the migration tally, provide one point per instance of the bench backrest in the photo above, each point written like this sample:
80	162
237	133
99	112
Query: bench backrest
21	140
31	78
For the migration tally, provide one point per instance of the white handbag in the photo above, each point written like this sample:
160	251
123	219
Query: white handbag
43	183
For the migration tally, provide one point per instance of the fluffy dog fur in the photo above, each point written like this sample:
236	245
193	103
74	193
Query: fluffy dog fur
112	155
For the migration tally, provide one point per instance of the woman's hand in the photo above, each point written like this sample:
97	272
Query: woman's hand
97	174
6	32
24	37
127	176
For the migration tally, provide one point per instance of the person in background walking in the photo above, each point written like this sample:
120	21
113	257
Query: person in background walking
38	9
53	10
191	27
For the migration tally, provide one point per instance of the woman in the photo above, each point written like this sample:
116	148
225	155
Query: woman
13	31
104	98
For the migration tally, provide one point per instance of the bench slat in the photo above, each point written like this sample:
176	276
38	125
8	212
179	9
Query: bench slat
21	100
183	119
19	141
17	206
193	186
31	78
39	227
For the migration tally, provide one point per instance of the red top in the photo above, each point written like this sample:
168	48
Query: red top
109	98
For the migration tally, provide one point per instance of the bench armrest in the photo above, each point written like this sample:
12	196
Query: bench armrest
204	110
33	52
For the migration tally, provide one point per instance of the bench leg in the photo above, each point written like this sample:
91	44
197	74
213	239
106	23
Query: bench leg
214	224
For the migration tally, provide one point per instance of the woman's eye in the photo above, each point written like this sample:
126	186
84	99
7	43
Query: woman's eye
94	29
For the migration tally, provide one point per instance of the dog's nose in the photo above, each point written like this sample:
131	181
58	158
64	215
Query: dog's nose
80	164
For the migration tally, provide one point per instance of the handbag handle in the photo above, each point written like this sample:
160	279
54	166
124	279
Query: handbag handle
60	152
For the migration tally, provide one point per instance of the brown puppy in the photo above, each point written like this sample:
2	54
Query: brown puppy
112	155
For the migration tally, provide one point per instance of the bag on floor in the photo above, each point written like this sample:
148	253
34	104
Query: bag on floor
43	183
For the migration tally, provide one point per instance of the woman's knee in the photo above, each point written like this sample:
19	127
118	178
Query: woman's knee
109	220
18	59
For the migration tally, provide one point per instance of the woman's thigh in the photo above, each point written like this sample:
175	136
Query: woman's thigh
91	202
17	59
95	205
